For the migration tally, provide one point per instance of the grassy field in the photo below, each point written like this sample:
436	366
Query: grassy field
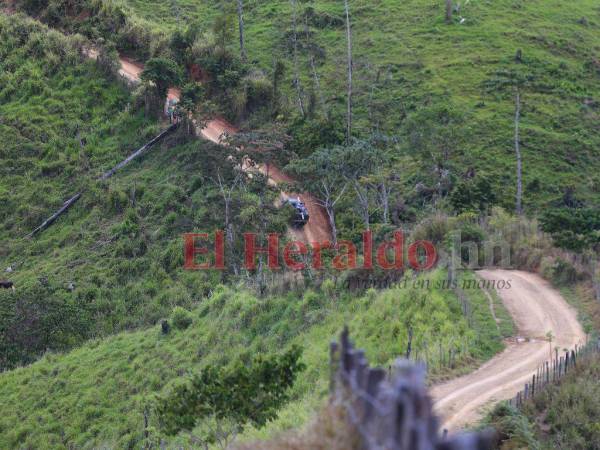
408	60
96	395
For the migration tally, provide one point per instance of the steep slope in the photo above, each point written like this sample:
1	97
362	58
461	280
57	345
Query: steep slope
316	230
414	73
115	261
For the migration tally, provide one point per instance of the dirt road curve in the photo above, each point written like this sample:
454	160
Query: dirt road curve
536	309
317	229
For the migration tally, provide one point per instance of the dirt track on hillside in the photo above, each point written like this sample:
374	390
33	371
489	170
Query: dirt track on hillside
536	309
316	230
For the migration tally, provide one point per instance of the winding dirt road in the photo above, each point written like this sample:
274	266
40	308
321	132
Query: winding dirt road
316	230
536	308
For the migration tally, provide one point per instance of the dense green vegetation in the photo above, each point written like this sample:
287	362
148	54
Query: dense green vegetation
115	261
409	65
417	79
225	401
97	394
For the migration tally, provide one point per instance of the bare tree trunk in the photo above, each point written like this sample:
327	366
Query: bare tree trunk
384	195
349	102
409	346
595	273
49	221
311	60
146	431
176	10
519	206
331	216
329	203
296	75
448	11
106	175
363	202
240	10
227	194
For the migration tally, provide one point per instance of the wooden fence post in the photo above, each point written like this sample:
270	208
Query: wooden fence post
392	412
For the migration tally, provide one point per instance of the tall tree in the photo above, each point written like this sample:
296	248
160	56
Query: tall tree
278	73
349	58
163	72
227	189
313	68
295	56
435	133
223	29
515	81
240	11
519	199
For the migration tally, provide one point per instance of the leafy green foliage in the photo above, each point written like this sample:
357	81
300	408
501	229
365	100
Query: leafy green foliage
37	319
163	73
475	195
242	394
106	21
573	228
181	318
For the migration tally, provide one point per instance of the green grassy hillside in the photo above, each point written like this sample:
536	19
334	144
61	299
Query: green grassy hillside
115	260
417	80
409	63
91	289
96	395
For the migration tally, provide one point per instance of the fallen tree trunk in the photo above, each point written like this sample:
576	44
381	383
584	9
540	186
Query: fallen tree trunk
138	153
65	207
50	220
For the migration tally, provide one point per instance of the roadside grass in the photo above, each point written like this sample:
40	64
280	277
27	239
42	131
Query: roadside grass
505	322
588	308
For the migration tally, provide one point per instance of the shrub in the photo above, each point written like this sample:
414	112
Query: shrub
328	288
181	318
476	194
260	92
563	272
311	301
433	229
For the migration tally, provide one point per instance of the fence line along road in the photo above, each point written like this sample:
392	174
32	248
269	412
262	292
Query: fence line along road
551	372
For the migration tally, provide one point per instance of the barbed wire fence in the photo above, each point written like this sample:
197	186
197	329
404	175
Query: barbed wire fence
391	411
552	371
